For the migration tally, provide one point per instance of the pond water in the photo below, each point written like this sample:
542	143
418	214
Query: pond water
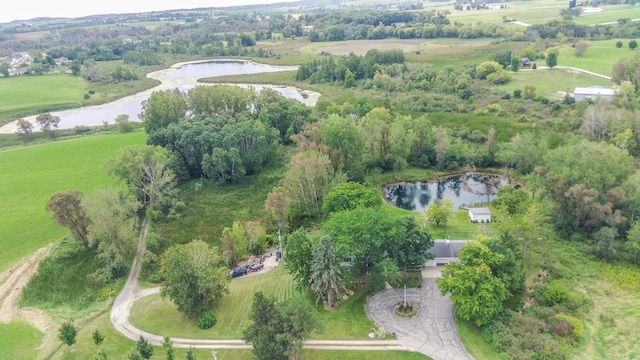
466	190
181	76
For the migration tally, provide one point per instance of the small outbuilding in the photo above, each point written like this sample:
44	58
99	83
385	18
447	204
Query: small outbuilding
480	215
593	92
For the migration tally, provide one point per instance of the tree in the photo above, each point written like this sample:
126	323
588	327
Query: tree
67	333
111	211
633	44
487	68
325	274
69	211
256	236
194	277
632	245
190	354
298	256
167	346
25	129
97	337
606	243
124	125
133	355
619	44
101	355
145	169
4	69
279	328
348	196
439	211
163	108
552	58
581	48
476	292
48	123
144	348
344	145
278	202
529	92
515	64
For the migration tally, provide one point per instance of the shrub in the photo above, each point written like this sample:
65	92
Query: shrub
81	129
553	294
575	325
517	94
619	44
86	96
207	320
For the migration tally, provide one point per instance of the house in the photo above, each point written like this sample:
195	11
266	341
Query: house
593	92
307	29
445	251
525	63
480	215
61	60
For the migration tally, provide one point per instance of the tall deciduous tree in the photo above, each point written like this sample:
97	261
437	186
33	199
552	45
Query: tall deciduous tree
48	123
552	59
145	169
69	211
476	292
167	347
348	196
581	48
194	277
25	129
278	202
163	108
298	256
344	143
325	273
632	245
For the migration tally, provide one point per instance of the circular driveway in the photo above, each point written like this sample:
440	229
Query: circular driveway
432	331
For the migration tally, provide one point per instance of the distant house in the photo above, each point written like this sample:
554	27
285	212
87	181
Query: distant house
307	29
61	60
18	58
445	251
480	215
593	92
525	63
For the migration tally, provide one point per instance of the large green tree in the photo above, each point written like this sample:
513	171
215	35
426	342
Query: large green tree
476	291
195	277
163	108
325	274
279	328
48	123
67	333
345	145
298	256
348	196
68	211
145	169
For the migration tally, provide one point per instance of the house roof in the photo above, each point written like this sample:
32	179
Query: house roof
446	249
594	90
480	211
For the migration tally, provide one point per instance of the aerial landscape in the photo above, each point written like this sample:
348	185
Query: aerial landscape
320	179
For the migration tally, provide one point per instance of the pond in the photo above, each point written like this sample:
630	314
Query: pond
183	76
463	190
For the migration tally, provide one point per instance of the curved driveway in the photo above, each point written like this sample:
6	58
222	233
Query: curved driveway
432	331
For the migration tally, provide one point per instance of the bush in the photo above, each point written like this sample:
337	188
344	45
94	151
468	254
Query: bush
81	129
553	294
576	326
86	96
207	320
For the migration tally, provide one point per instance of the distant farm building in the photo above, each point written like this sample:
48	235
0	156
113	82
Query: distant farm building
593	92
525	63
480	215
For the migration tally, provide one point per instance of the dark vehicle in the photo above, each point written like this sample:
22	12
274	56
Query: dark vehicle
239	271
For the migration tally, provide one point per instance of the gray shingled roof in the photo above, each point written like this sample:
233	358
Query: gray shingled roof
442	249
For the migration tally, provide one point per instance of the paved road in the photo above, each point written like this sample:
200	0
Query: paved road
431	332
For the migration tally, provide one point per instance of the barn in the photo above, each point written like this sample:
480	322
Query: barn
593	92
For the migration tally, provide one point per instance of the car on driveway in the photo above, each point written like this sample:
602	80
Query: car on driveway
239	271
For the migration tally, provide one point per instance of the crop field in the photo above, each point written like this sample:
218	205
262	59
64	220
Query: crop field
360	47
520	11
599	57
30	175
33	94
458	52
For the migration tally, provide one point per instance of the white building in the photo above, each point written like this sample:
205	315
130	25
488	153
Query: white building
593	92
480	215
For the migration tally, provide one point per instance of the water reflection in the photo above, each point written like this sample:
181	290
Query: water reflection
462	190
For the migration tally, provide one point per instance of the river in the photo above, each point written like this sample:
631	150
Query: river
183	76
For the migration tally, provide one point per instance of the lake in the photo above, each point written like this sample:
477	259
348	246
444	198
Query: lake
463	190
183	76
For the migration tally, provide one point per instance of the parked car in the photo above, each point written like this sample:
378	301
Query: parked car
239	271
256	267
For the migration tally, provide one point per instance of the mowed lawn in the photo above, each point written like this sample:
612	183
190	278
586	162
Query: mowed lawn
30	175
599	57
33	94
548	81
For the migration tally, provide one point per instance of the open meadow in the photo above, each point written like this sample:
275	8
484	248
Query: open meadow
599	57
30	175
548	82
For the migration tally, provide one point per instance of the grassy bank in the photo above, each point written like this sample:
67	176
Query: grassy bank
30	175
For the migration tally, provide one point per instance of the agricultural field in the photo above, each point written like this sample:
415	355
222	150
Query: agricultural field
548	82
34	94
30	175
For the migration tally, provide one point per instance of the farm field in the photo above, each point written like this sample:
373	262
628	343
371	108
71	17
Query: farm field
30	175
33	94
549	81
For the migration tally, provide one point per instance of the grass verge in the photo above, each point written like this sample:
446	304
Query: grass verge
19	341
473	342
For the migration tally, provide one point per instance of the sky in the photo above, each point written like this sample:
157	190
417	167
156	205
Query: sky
23	10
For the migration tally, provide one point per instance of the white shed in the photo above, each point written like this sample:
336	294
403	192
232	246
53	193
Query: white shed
593	92
480	215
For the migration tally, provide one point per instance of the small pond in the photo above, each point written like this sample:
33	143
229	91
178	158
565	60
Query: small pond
463	190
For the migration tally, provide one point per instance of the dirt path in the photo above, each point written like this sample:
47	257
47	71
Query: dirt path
12	282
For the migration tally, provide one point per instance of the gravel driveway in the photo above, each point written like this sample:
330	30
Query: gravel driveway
431	332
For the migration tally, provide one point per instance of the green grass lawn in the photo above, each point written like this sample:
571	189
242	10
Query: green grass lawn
473	342
548	81
34	94
160	316
30	175
19	341
599	57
